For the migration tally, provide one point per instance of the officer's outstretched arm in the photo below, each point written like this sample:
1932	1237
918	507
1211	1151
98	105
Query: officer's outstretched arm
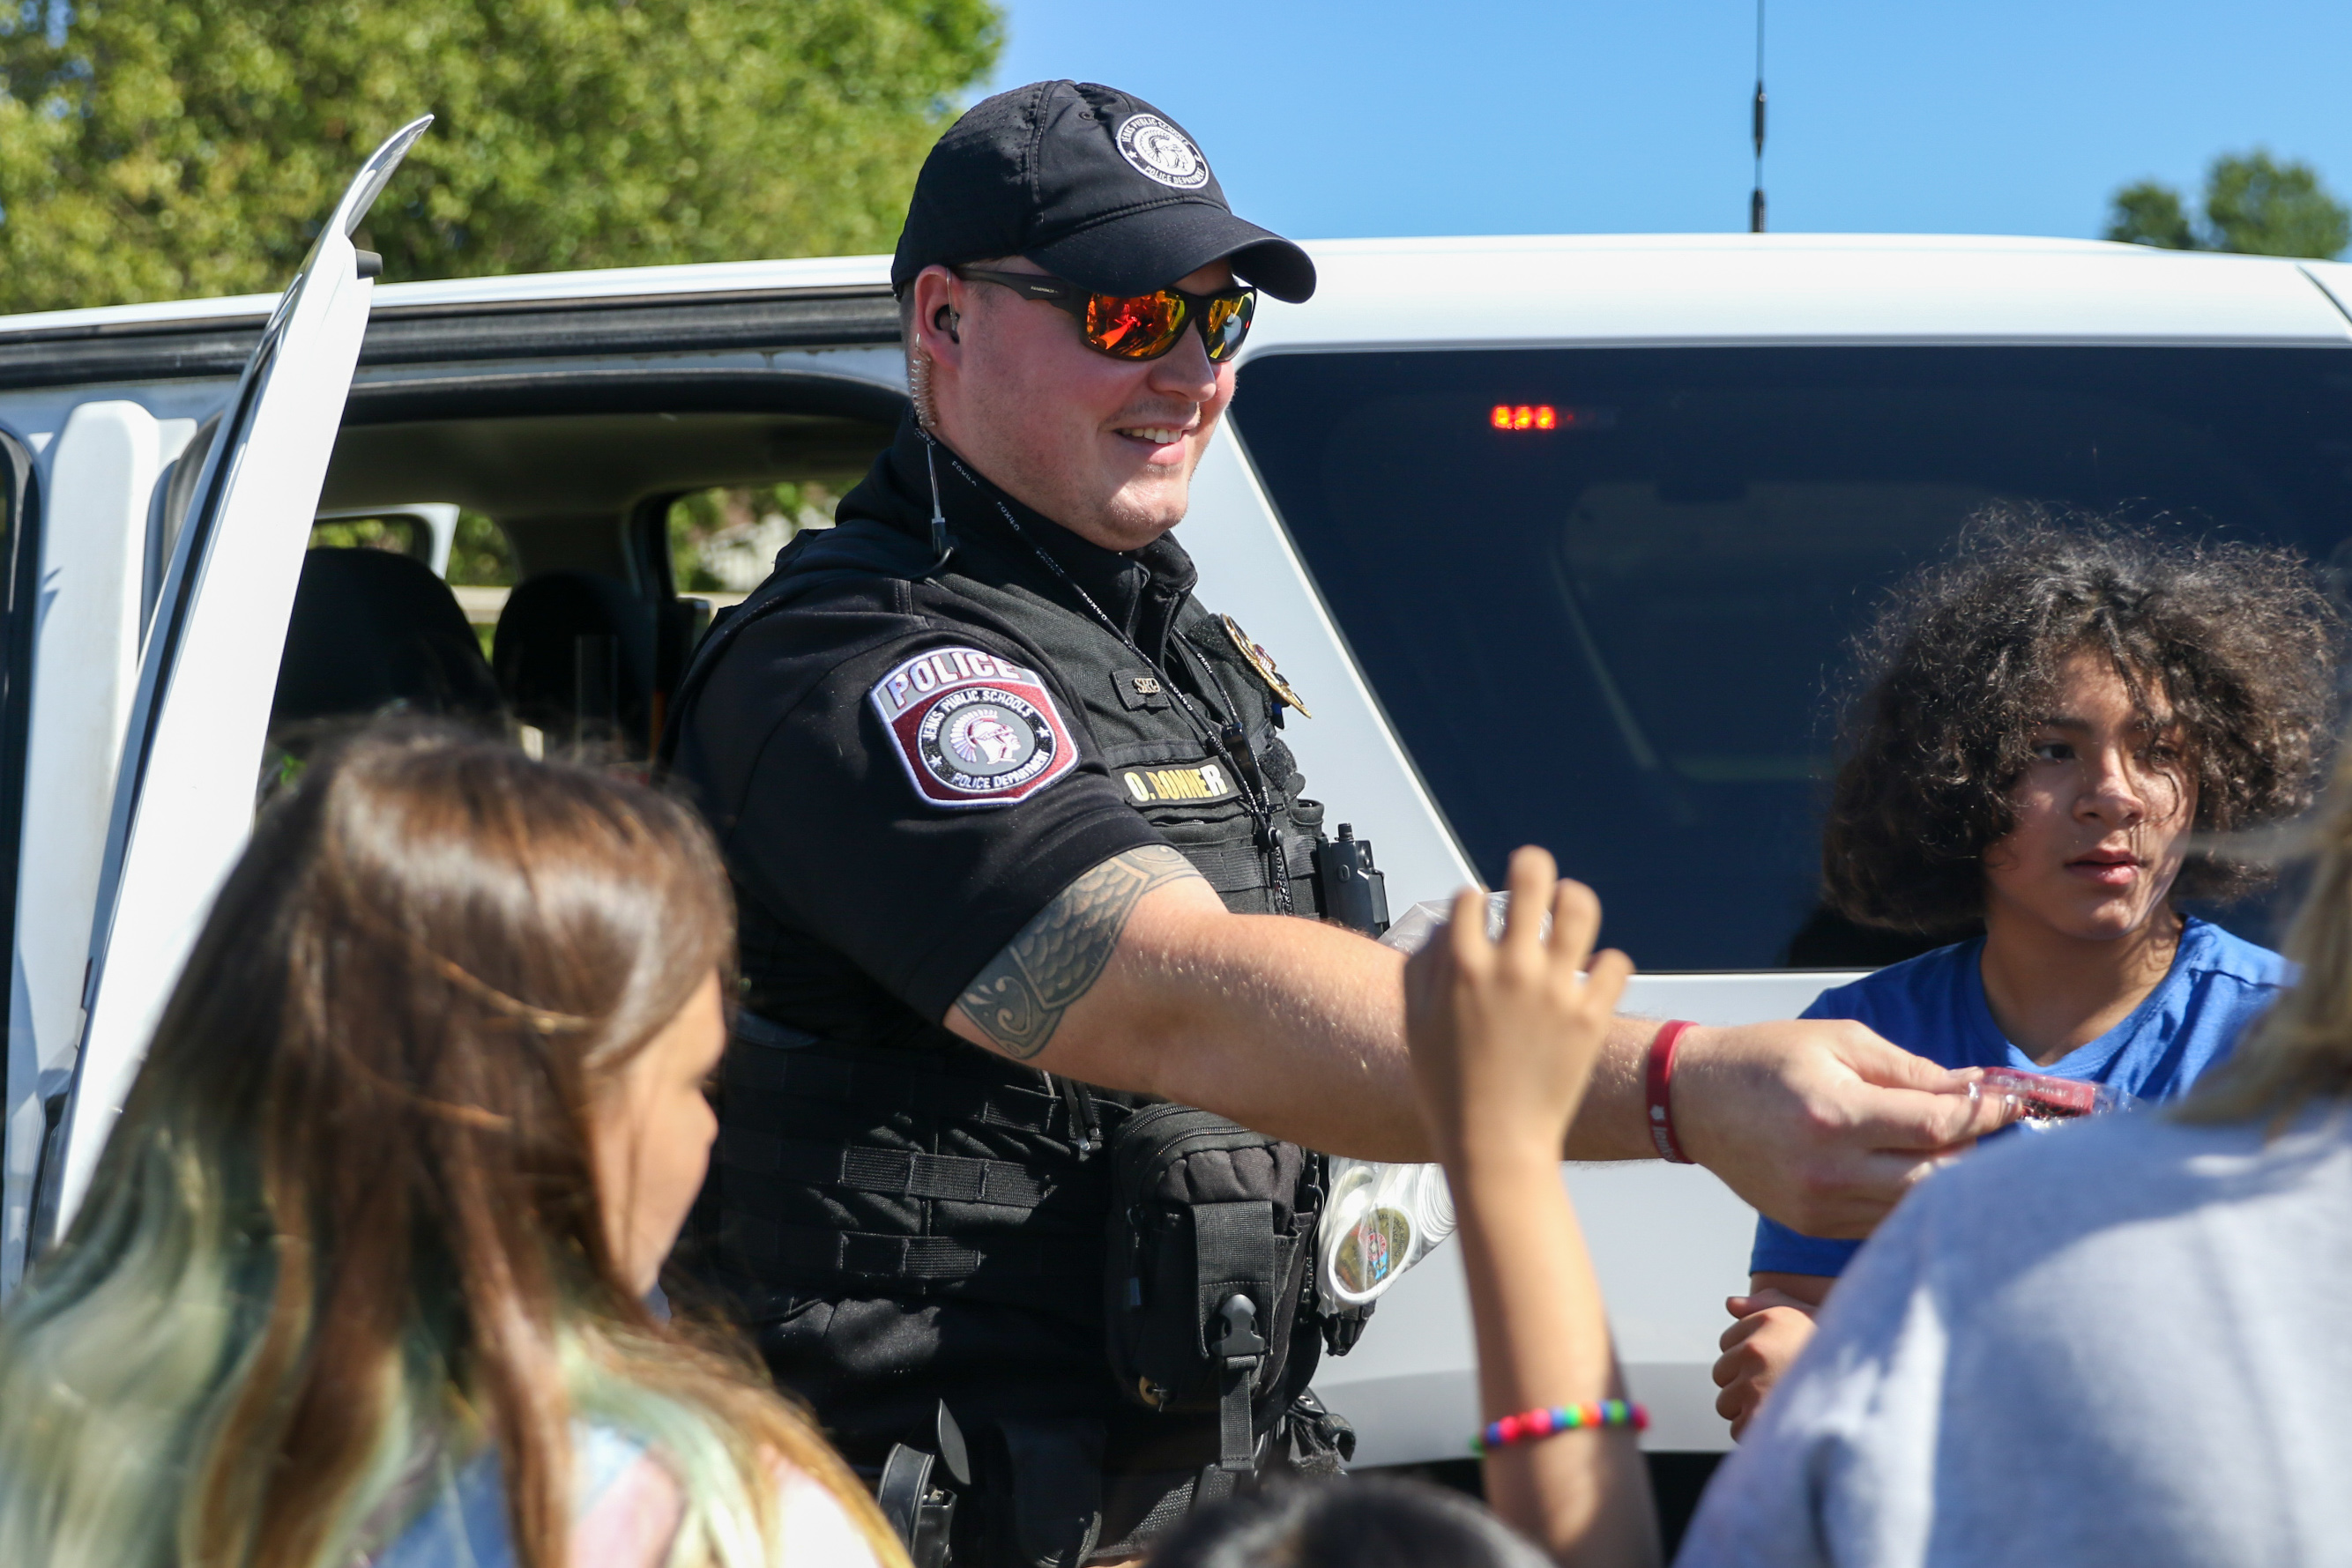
1136	977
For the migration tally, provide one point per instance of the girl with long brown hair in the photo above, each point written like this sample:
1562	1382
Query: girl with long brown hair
361	1277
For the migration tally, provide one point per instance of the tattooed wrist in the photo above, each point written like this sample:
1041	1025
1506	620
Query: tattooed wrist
1018	998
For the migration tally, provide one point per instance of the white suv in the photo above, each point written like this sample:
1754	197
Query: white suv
1558	537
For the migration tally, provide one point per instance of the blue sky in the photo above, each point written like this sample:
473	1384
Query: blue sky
1327	120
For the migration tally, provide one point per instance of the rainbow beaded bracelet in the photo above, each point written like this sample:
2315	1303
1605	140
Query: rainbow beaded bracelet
1530	1424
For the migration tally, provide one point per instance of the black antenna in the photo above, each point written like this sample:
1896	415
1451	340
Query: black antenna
1755	196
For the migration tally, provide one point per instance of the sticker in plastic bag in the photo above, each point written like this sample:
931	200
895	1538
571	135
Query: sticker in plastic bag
2044	1101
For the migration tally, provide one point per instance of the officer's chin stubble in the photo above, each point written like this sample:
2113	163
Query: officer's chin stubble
1055	423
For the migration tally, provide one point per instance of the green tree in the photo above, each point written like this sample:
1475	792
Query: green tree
2149	212
726	539
2253	204
161	149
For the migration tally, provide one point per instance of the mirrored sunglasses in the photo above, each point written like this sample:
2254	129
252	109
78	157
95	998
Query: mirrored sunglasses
1136	326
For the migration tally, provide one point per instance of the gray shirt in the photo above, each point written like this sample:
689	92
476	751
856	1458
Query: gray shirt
2127	1342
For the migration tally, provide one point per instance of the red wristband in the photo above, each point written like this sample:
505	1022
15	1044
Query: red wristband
1660	1081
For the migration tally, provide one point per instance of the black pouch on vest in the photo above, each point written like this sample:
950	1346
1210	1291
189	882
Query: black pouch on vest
1210	1236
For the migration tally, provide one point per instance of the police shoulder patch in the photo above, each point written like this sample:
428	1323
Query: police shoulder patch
972	729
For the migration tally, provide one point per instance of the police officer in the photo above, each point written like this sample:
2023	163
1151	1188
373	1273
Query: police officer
1010	813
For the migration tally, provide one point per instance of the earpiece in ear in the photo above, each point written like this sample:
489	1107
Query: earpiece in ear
946	320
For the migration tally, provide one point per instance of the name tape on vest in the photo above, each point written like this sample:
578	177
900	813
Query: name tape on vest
1193	785
972	729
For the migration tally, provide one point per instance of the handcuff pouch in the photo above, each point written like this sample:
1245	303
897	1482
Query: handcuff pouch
1211	1234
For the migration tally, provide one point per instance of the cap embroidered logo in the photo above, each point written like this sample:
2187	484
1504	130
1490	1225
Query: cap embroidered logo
1161	152
972	729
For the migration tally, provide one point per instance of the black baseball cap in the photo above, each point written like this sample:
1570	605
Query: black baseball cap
1093	184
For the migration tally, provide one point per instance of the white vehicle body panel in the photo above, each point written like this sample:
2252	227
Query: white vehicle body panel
1793	288
1670	1242
2335	278
1352	760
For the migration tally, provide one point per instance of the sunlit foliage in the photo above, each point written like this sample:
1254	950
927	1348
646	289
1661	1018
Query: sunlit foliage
166	149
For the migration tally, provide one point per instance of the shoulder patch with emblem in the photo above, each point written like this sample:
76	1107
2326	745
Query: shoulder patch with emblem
972	729
1259	660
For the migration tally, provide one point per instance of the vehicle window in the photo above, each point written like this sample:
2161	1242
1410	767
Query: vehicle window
725	540
402	536
1604	594
481	555
481	558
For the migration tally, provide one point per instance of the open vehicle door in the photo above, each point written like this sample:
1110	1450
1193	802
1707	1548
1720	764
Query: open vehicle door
183	793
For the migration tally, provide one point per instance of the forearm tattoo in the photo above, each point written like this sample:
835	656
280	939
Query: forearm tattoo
1018	999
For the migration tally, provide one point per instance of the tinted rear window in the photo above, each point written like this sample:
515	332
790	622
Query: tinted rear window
1604	594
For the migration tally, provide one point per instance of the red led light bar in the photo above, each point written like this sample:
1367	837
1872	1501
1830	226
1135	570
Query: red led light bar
1529	416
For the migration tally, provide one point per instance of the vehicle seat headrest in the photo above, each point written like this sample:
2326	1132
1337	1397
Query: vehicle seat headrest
535	653
372	629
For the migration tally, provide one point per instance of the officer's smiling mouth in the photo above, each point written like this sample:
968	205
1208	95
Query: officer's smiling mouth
1157	437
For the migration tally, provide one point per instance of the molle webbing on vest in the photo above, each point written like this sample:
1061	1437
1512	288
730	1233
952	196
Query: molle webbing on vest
897	1172
802	1138
879	1083
1041	1271
1229	868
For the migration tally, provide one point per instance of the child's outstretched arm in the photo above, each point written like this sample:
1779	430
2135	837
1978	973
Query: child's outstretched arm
1776	1322
1504	1035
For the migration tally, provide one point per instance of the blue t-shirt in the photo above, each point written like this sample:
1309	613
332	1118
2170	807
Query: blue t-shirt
1934	1006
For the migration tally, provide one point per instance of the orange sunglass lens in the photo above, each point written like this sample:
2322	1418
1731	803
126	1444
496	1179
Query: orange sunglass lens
1134	328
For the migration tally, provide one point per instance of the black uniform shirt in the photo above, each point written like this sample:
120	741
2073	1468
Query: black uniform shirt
868	906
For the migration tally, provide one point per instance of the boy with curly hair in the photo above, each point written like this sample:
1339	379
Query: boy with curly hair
2056	724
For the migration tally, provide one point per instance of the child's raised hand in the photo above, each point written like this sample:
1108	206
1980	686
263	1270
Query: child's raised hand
1504	1034
1773	1327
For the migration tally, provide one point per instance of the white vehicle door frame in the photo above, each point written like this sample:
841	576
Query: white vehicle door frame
183	794
102	471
